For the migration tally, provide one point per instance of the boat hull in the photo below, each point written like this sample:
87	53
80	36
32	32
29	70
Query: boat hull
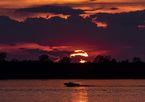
71	84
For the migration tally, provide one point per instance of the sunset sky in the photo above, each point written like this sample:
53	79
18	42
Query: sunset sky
30	28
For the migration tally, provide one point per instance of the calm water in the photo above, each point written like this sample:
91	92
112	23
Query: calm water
55	91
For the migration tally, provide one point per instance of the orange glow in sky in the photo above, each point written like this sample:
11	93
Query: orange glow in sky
90	7
141	26
79	53
24	3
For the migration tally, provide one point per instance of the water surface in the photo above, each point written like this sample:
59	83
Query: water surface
55	91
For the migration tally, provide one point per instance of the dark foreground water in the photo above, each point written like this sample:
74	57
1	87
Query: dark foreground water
55	91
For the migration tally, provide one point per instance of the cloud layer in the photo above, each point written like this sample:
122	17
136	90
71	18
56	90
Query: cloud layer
66	10
122	38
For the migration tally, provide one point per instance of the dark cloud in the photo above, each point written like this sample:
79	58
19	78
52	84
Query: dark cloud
53	55
126	19
6	23
55	31
95	9
58	53
114	8
93	0
33	54
52	9
123	27
122	30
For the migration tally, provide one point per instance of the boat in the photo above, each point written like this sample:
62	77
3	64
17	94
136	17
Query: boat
70	84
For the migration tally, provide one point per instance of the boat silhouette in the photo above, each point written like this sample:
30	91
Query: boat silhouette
71	84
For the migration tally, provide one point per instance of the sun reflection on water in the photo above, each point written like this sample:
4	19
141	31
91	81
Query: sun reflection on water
79	95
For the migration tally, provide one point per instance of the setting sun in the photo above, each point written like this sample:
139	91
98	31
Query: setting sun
83	61
79	53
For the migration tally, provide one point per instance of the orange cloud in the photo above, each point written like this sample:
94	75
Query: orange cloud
99	24
28	3
62	48
7	7
18	47
141	26
57	60
23	16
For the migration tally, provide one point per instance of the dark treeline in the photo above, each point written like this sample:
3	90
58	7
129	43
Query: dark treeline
103	67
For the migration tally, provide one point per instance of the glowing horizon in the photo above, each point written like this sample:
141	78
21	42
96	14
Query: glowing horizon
82	61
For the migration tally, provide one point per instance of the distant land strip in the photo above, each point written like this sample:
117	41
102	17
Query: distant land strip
45	70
